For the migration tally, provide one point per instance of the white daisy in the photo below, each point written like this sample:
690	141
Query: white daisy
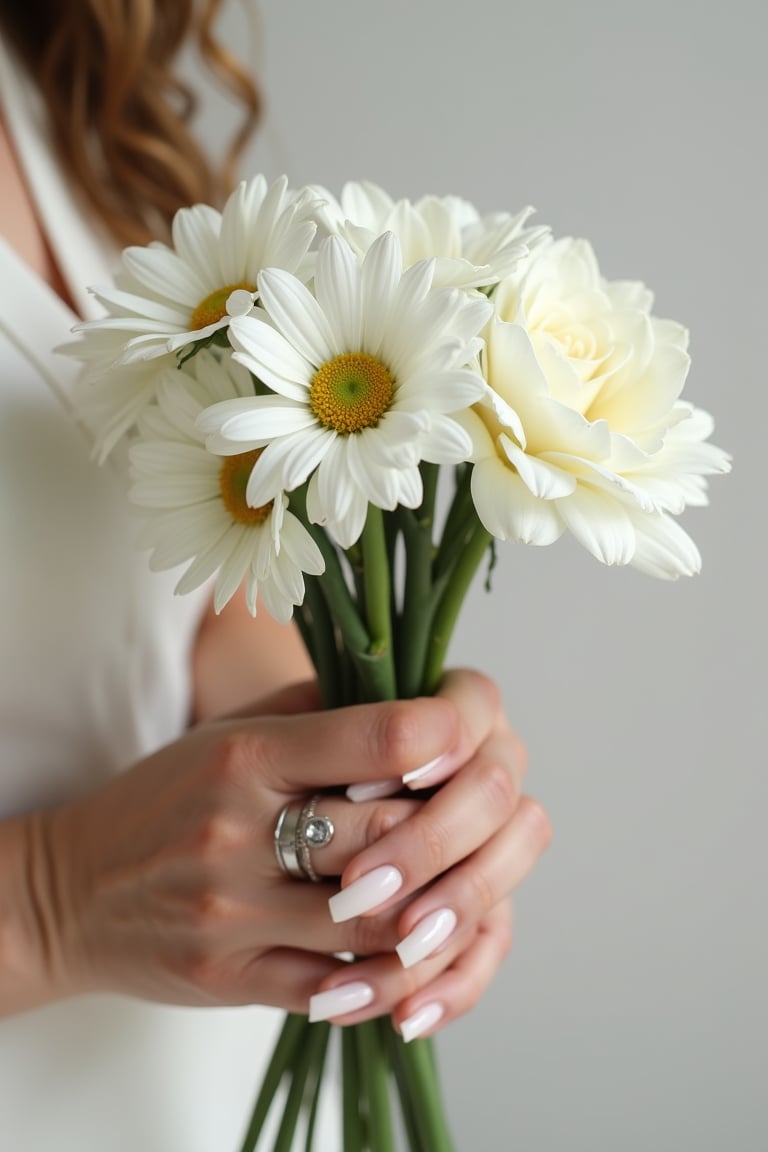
109	402
195	504
170	297
471	250
366	374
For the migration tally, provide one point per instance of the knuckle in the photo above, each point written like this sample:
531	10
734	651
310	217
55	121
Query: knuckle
520	752
202	972
393	734
499	787
242	754
433	839
539	822
231	758
504	936
215	834
493	692
482	896
472	994
209	910
382	819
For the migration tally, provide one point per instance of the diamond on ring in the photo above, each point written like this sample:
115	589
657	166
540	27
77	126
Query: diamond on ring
312	832
318	831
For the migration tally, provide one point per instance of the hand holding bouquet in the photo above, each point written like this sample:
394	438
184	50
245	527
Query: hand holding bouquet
341	407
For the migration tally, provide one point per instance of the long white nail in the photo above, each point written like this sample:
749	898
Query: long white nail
373	790
421	1021
339	1001
428	935
365	894
420	776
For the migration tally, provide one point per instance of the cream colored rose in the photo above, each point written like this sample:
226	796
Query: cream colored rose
583	426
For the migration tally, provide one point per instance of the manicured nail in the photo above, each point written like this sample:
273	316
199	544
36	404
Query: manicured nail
373	790
428	935
365	894
339	1001
421	1021
421	775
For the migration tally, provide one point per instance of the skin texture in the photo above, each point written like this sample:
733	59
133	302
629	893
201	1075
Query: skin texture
164	884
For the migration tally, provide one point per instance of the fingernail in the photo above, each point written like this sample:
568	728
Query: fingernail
421	1021
421	775
428	935
339	1001
365	894
374	790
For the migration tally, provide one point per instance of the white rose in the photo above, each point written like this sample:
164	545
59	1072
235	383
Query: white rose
583	426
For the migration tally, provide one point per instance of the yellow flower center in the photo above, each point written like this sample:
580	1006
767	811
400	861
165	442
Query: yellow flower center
233	480
351	392
214	307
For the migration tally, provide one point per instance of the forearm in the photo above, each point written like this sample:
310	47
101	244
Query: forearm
31	962
240	658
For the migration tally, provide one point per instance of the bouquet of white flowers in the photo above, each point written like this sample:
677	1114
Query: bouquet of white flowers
341	406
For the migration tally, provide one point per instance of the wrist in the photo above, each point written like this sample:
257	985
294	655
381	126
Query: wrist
37	922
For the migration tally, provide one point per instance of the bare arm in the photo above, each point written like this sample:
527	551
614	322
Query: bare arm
239	659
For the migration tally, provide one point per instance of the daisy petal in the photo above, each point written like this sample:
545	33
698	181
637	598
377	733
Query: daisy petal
298	316
269	356
337	286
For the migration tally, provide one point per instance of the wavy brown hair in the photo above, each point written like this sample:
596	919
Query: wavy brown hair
119	113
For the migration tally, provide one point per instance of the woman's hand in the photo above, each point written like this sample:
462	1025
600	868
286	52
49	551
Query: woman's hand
164	884
458	856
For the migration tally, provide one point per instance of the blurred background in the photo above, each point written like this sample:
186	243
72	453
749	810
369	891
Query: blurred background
632	1013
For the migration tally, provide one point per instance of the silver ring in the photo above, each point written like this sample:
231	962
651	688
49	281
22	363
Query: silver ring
312	832
297	831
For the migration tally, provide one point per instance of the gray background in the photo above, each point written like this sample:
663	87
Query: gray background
632	1013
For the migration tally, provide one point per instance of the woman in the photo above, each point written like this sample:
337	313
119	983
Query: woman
138	879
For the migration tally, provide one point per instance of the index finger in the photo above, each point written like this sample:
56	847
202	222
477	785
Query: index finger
363	742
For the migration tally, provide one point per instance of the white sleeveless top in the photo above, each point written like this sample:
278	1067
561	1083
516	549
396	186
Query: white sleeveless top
93	674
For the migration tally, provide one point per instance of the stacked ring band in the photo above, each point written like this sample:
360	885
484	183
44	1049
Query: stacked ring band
297	831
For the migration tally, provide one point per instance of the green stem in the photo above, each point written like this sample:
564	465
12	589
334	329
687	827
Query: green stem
374	1068
321	645
311	1055
449	605
324	1031
288	1044
430	474
416	614
461	516
419	1074
303	620
351	1093
377	584
354	555
408	1105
